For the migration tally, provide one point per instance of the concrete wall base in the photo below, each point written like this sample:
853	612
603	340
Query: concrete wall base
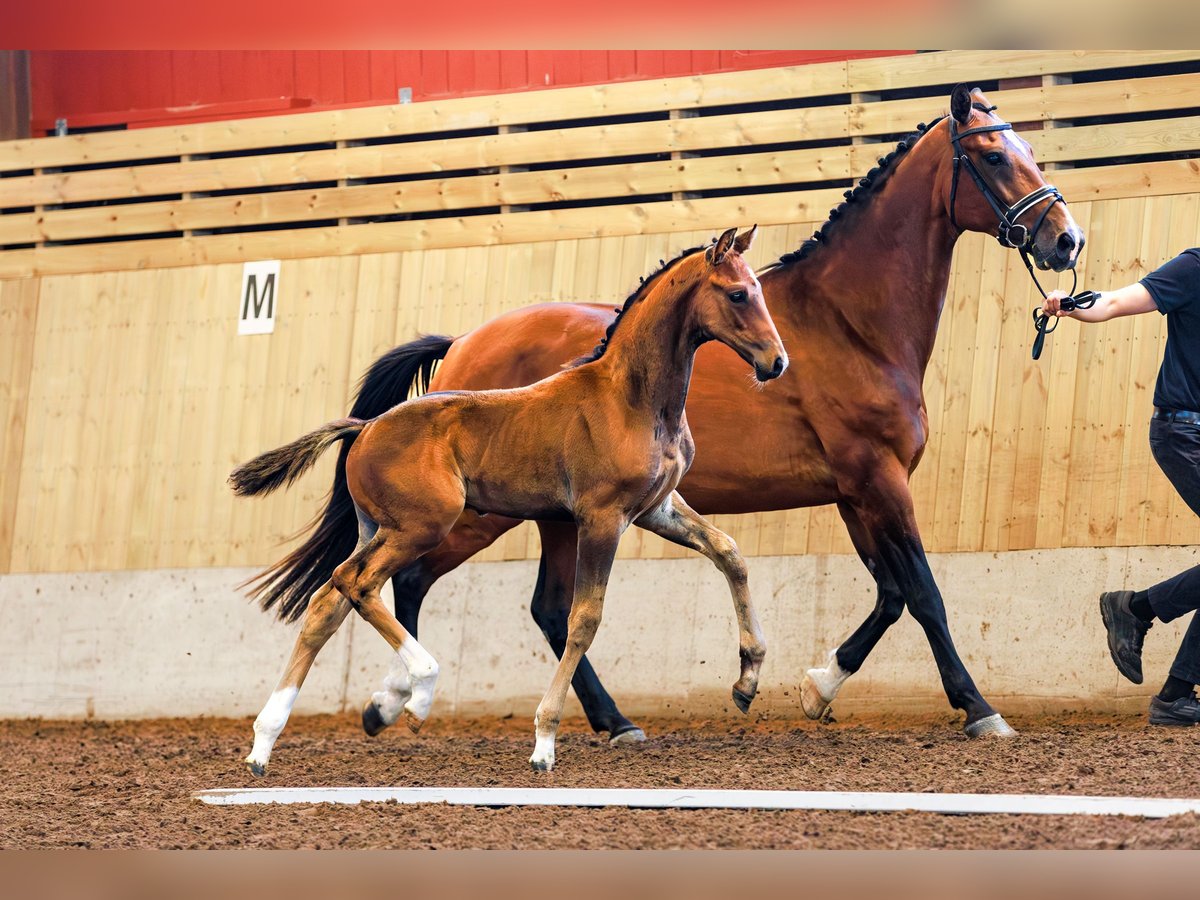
179	642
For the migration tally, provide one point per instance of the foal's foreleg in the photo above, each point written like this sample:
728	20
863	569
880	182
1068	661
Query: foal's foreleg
680	524
326	611
597	548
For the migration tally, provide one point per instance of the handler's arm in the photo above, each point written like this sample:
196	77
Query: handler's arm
1127	301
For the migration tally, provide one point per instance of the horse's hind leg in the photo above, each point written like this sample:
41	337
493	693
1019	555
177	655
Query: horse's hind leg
408	687
326	611
680	524
822	683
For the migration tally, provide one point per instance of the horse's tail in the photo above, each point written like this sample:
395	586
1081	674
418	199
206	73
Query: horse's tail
287	584
285	464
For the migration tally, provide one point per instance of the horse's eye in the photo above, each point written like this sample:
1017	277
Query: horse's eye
994	159
737	296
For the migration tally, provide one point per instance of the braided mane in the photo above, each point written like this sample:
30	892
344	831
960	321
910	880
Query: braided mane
633	298
867	187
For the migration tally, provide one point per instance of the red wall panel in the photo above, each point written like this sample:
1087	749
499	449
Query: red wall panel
142	88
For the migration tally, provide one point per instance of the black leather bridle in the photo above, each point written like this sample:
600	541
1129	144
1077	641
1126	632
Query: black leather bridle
1010	232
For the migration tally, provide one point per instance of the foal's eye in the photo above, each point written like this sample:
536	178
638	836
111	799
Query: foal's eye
737	296
994	159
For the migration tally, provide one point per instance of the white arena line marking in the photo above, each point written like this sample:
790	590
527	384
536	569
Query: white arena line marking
952	804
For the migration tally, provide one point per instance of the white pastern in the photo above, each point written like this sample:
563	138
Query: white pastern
543	753
422	669
269	724
397	688
821	686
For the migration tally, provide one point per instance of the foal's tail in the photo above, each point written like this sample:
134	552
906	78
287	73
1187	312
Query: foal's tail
286	585
285	464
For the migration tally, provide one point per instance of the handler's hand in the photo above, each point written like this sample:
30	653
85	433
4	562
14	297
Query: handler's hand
1052	305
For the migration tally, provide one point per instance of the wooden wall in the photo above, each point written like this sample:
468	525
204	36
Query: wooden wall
126	395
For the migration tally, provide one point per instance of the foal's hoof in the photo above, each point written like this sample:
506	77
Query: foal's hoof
992	726
631	735
258	770
743	700
413	722
372	721
815	704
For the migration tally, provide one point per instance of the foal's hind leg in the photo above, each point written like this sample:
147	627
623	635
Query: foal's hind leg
326	611
680	524
408	687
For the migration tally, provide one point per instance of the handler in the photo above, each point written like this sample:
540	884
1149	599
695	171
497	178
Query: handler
1174	290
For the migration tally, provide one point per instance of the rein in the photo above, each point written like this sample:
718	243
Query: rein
1009	232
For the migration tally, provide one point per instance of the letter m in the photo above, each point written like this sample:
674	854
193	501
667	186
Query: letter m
259	299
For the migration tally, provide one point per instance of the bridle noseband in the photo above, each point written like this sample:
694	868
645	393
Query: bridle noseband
1009	232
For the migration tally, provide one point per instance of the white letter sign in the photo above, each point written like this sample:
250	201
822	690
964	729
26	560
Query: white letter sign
260	289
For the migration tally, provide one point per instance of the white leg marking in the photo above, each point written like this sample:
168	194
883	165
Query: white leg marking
543	748
423	671
397	688
821	686
270	723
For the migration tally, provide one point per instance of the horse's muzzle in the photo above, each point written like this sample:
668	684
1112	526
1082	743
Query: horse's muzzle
777	368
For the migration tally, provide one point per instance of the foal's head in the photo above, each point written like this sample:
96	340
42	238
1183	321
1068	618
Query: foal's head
728	306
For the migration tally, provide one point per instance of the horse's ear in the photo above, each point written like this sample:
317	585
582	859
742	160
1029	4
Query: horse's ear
960	104
745	239
718	251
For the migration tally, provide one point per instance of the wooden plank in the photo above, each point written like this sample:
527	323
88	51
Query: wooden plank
973	66
657	95
18	332
436	156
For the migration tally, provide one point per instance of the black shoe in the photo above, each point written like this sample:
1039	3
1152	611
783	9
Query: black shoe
1184	711
1125	633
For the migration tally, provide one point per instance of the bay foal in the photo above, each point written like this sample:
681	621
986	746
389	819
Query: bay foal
602	444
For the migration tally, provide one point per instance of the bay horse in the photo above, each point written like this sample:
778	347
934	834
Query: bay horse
600	445
859	305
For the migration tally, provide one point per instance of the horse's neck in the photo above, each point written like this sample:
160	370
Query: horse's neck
650	354
885	272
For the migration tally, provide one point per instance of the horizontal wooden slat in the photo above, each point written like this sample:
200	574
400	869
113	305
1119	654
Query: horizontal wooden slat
514	149
973	66
518	188
1122	139
420	118
1096	183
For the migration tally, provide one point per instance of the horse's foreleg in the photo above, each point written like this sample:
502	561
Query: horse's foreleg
886	512
551	607
680	524
822	683
326	611
596	550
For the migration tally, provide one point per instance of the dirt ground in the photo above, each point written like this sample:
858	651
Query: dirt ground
94	784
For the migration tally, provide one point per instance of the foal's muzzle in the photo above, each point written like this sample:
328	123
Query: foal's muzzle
763	373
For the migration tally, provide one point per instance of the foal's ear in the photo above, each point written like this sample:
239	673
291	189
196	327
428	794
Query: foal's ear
745	239
960	104
718	251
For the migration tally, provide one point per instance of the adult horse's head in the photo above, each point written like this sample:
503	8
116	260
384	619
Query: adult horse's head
997	188
729	306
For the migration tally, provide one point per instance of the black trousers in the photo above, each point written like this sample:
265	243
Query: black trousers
1176	448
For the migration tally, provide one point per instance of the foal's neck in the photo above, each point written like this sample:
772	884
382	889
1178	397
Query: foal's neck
650	354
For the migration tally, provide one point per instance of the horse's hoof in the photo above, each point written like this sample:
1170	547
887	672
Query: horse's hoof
743	700
541	765
413	722
992	726
631	735
815	704
258	770
372	721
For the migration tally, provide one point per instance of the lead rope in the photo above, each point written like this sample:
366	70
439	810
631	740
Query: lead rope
1085	300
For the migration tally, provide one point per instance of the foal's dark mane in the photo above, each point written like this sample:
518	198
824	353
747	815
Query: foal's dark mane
633	298
862	192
